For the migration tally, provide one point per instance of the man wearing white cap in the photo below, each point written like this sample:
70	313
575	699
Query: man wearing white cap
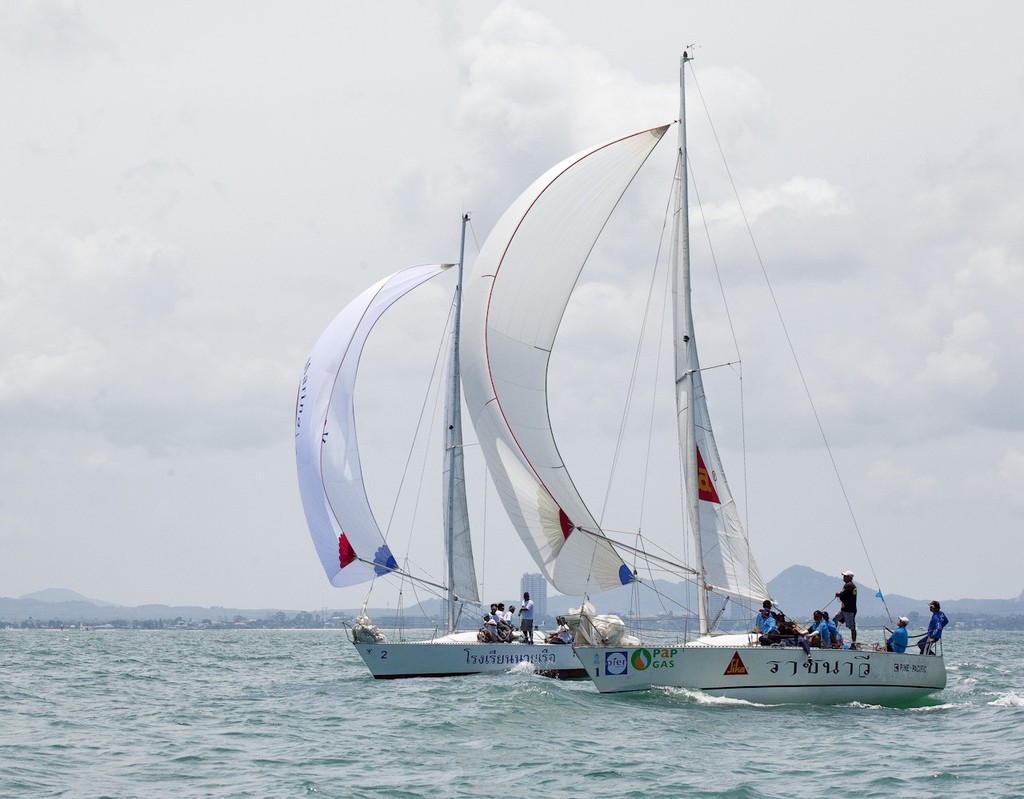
897	642
848	612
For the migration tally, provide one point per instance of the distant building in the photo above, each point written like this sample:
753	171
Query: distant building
537	587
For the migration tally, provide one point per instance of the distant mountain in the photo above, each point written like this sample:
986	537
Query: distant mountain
800	590
65	595
74	611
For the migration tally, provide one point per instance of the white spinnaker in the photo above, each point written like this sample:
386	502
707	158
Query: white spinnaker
514	303
326	450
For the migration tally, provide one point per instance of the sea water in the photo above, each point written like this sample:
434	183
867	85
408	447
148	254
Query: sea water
295	713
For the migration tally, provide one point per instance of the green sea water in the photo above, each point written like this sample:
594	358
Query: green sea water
295	713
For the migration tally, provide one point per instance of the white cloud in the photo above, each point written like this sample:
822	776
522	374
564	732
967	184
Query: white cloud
902	487
101	334
801	197
964	362
51	30
969	327
1010	476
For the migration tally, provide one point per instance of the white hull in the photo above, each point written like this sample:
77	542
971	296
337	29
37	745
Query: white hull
461	654
770	675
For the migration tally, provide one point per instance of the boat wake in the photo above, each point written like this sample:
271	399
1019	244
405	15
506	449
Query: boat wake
1012	699
523	667
701	698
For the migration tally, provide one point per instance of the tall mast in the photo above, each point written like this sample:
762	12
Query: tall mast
455	398
685	349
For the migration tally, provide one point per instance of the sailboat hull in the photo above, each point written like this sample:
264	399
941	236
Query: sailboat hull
392	661
770	675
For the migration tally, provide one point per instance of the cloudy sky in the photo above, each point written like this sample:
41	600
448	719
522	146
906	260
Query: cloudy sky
191	191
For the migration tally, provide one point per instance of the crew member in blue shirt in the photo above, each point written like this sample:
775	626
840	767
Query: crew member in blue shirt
833	631
818	633
935	625
897	642
764	621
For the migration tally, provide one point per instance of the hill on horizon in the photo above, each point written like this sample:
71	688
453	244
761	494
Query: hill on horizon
65	595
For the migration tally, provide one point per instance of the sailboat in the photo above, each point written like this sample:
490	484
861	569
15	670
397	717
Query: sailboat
515	301
345	532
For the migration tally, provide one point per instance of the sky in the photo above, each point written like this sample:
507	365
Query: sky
191	191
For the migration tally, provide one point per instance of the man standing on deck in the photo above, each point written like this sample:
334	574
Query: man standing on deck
526	618
848	612
935	625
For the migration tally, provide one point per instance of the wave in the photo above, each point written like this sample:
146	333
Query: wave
1011	699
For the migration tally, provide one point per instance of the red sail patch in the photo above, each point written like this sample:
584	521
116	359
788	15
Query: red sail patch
345	552
735	666
705	486
565	523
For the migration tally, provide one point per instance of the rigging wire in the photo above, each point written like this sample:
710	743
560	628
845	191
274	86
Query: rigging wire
792	348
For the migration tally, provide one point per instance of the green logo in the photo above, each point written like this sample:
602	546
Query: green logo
640	659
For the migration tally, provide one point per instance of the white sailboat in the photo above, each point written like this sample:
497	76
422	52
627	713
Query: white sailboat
345	532
515	301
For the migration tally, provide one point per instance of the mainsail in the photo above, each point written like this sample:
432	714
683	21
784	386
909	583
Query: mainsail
724	561
458	541
523	277
346	535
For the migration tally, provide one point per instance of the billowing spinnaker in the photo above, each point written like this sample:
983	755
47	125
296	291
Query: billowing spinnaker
513	307
344	530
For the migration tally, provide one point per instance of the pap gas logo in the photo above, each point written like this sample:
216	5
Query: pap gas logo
640	659
615	663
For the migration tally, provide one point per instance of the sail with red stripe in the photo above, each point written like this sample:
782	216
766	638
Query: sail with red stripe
514	304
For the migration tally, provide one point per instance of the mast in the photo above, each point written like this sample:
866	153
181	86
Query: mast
455	398
685	350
